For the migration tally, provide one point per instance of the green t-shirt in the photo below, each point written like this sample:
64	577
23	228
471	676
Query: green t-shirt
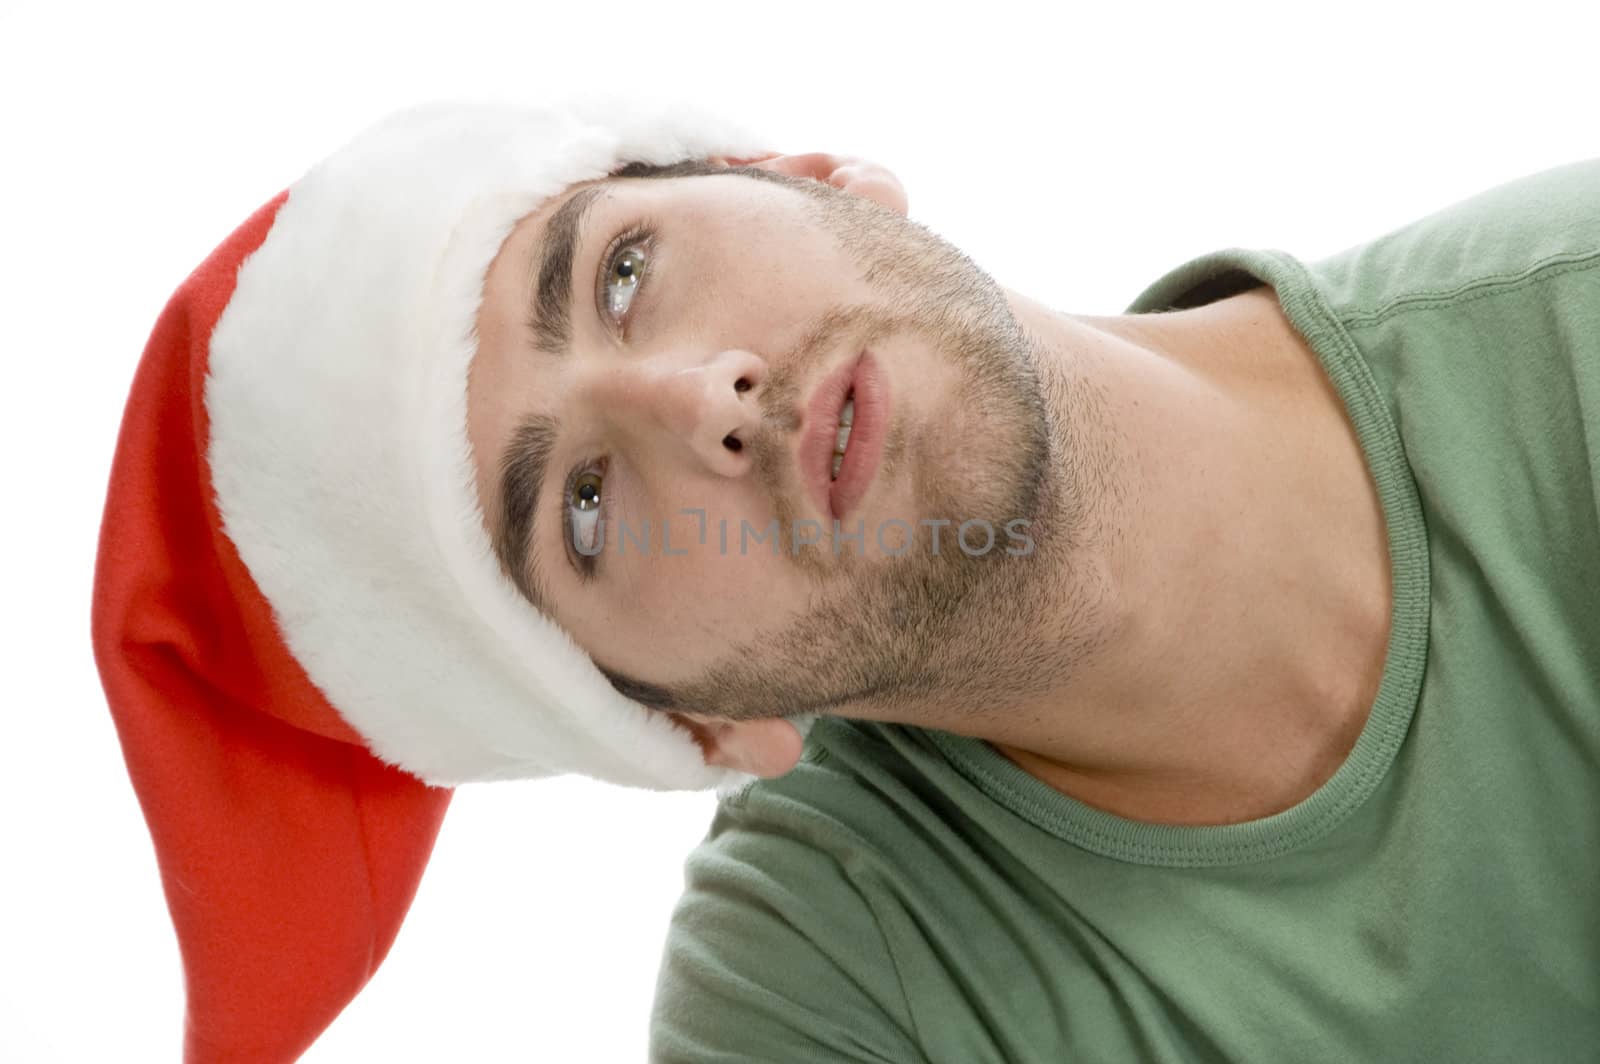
906	894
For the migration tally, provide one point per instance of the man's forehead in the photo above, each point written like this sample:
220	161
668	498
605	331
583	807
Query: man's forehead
538	322
605	186
554	203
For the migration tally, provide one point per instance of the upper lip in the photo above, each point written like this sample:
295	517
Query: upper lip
821	432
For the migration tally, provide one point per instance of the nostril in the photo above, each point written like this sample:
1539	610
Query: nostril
732	443
741	385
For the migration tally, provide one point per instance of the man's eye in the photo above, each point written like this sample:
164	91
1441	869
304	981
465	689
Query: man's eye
623	275
583	509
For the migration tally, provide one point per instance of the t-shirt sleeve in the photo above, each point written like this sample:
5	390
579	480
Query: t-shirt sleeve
773	953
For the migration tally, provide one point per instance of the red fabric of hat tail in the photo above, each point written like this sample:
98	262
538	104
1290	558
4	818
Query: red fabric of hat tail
289	853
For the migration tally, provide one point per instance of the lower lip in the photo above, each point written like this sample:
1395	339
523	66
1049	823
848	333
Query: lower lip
865	449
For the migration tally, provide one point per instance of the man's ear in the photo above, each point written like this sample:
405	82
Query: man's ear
859	176
766	748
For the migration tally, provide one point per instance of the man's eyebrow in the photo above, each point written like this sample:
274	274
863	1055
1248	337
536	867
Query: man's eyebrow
525	460
523	465
549	306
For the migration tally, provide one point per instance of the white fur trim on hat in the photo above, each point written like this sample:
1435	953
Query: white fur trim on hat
337	396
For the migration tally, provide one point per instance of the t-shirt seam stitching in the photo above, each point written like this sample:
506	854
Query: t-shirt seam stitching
1107	845
1547	268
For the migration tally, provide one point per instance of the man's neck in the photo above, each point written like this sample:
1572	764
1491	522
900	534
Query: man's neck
1247	616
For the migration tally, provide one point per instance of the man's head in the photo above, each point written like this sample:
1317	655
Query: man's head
648	349
301	617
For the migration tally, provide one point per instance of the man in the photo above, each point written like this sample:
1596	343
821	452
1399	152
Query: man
1130	450
1167	686
1281	743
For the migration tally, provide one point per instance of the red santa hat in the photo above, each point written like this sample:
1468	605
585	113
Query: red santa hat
303	633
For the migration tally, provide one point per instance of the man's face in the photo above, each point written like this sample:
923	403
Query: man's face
703	313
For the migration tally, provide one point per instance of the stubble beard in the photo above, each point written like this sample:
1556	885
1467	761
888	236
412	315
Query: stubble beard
928	636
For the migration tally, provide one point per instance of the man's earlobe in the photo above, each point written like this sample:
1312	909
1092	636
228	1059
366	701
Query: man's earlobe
766	748
861	177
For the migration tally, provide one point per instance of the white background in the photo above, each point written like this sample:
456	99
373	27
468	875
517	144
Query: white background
1076	151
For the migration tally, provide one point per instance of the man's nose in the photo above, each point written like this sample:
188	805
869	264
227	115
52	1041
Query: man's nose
705	406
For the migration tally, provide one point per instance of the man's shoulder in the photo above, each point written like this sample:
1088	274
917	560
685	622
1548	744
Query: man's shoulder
854	780
775	950
1492	241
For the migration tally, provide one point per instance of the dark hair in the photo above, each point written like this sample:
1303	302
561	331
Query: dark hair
649	694
707	168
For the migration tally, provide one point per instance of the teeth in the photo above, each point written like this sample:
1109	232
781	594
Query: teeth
846	416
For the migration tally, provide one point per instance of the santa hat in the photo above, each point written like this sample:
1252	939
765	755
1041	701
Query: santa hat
303	633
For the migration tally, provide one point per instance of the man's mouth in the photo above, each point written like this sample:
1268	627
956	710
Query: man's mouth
847	414
843	439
